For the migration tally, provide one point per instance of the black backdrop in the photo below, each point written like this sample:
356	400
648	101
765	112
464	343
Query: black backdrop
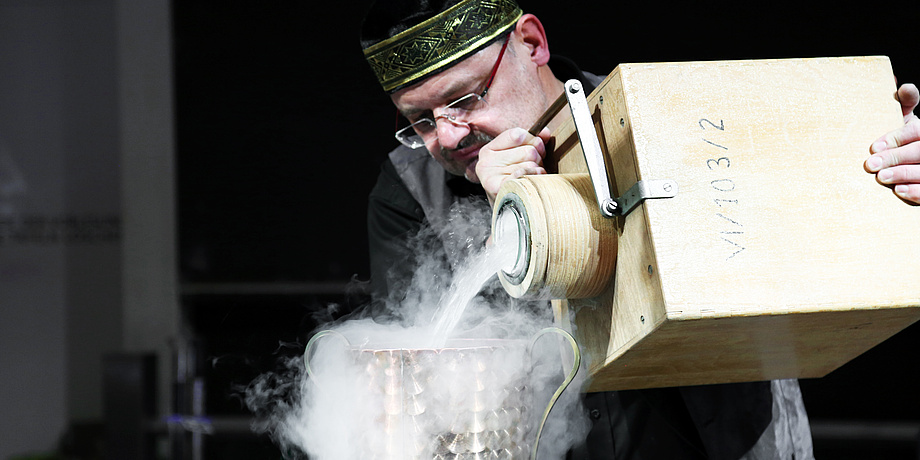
281	126
281	129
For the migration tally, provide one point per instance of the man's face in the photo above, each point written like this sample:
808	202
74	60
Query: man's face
515	99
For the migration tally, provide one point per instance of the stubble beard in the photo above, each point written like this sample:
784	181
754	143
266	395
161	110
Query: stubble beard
463	167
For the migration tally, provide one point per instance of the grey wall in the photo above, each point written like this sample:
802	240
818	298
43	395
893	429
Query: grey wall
145	114
60	293
73	89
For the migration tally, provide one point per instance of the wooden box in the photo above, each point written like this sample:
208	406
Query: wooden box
780	256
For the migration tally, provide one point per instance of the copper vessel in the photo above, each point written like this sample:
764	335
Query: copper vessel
469	400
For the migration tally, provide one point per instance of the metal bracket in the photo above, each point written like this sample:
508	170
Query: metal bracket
645	190
594	157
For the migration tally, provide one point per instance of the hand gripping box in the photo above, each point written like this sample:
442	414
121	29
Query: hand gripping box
779	256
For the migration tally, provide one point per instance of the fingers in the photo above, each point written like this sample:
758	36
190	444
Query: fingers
518	137
909	96
901	146
908	192
906	174
895	157
525	169
512	154
545	135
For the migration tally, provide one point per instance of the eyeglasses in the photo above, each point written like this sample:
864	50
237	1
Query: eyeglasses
458	112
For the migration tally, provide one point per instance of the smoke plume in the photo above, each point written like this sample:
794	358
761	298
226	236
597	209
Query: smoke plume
453	369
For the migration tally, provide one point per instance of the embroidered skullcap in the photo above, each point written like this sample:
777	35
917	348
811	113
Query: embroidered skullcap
405	41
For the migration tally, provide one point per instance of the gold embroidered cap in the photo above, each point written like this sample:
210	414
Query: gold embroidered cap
440	41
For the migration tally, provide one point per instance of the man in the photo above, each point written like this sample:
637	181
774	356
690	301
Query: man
468	76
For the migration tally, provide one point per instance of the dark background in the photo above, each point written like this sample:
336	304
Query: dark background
282	127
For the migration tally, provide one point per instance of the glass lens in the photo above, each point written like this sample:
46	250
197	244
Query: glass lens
466	104
412	136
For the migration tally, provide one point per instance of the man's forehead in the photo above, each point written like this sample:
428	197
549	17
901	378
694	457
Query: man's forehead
444	87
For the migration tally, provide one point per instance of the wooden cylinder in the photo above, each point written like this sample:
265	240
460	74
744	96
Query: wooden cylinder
566	248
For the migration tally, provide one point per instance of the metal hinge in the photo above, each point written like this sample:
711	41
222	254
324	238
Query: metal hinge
594	157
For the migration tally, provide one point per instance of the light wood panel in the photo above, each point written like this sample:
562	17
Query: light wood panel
779	257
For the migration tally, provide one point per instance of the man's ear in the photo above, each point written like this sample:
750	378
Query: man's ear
530	29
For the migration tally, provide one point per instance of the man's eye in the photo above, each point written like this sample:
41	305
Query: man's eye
469	102
421	116
424	126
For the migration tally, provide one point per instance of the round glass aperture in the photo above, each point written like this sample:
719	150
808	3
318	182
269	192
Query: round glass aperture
512	233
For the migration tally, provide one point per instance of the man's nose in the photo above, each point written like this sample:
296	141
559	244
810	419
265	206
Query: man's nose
450	132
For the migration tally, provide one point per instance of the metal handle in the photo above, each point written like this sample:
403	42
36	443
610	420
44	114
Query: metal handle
597	168
594	156
312	343
568	379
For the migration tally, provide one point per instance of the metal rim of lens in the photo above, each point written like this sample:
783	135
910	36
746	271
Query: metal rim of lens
512	203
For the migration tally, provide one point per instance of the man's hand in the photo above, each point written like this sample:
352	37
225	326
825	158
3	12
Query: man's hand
895	158
511	154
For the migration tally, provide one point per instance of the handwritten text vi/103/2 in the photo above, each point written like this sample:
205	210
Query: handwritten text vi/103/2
722	188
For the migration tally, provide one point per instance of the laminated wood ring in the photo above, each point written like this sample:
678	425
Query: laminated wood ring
565	248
